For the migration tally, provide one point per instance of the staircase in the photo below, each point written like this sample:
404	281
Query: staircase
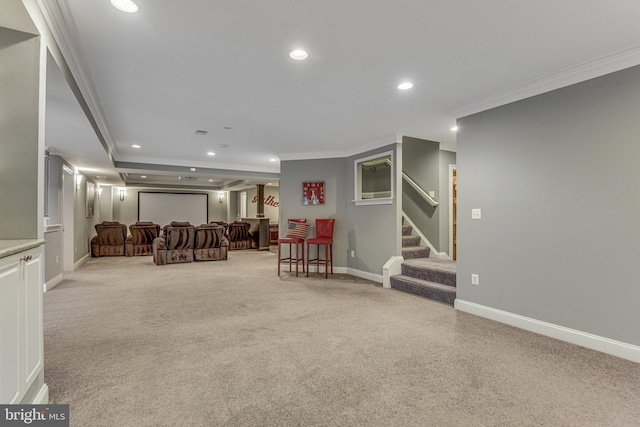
428	277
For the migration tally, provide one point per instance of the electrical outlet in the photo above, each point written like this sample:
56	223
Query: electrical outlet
475	279
353	253
476	213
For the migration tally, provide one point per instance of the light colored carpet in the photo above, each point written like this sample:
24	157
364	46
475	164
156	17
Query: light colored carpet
228	343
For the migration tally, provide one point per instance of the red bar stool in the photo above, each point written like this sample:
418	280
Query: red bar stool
324	236
296	233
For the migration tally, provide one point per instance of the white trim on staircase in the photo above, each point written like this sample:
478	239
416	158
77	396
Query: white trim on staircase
584	339
434	253
392	267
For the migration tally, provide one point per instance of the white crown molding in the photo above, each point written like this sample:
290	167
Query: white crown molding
584	339
347	152
608	64
60	21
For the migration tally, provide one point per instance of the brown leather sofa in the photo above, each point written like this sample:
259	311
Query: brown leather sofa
211	243
175	245
140	241
109	240
239	235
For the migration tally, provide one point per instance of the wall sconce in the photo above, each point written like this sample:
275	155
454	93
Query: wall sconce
221	197
78	181
121	194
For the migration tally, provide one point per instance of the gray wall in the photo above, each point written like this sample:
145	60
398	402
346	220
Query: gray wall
19	154
372	232
333	172
446	158
53	254
84	228
556	177
55	189
421	162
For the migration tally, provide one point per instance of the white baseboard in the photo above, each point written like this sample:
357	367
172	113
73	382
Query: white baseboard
80	262
584	339
42	398
53	283
365	275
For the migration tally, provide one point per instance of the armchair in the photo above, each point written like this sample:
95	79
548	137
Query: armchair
211	243
175	245
239	235
109	240
140	241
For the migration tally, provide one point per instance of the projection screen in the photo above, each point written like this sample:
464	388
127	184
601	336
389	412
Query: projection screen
162	207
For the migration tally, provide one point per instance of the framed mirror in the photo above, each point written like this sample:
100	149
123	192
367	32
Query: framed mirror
374	179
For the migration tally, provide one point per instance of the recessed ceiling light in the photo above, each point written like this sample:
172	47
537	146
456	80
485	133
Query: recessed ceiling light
405	85
273	159
192	169
210	180
126	6
135	146
454	129
298	54
211	153
143	176
100	176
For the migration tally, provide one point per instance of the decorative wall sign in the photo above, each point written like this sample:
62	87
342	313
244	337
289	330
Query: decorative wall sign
313	193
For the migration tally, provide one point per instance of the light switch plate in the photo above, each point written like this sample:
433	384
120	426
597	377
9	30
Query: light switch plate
432	193
476	213
475	279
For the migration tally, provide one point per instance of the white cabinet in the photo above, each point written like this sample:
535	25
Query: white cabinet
21	323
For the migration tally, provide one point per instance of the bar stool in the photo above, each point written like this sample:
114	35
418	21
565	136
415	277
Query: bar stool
324	236
296	233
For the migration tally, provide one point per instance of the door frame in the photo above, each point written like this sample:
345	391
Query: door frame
451	169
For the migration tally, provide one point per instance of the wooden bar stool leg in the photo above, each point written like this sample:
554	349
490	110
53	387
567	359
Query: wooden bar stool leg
326	260
308	251
302	256
279	259
331	256
296	260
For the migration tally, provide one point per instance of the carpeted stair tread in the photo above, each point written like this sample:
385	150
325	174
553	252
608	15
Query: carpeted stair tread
406	230
408	241
435	291
415	252
432	270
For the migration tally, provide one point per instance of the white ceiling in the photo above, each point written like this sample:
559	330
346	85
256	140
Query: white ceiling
155	77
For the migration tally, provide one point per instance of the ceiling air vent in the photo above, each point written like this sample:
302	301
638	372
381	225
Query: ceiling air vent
188	178
201	132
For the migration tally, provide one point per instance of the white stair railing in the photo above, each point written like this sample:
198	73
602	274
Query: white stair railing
420	191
